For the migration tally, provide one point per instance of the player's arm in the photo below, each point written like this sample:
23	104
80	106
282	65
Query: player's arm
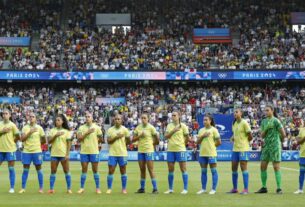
5	130
69	143
52	138
111	140
25	136
156	139
127	137
135	136
201	137
300	140
81	136
247	129
169	134
16	134
217	139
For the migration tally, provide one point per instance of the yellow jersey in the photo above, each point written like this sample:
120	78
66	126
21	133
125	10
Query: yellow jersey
59	145
302	147
177	142
33	142
118	148
207	146
240	135
146	143
7	140
90	144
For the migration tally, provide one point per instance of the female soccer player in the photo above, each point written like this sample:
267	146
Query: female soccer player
147	136
32	136
89	135
9	135
241	139
301	141
118	137
272	133
177	134
209	139
60	139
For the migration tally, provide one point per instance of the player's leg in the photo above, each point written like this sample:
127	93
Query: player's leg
181	158
26	161
171	168
150	167
142	166
54	166
123	165
204	176
112	162
94	159
264	176
234	167
37	161
278	176
84	158
66	168
244	157
301	175
213	167
11	158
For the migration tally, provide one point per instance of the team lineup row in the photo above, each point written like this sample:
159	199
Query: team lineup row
118	136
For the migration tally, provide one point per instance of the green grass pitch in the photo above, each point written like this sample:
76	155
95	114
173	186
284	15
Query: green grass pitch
89	198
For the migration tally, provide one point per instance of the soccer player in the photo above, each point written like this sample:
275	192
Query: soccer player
301	141
89	135
241	139
118	137
272	133
177	134
147	136
209	139
60	140
32	136
9	135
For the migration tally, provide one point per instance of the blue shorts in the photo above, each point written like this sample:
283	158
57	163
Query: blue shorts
58	159
176	157
7	156
302	161
89	157
240	156
146	156
113	161
207	160
28	158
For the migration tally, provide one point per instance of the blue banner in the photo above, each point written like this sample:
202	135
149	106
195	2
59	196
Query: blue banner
10	100
15	41
152	75
114	101
211	32
297	17
222	155
223	124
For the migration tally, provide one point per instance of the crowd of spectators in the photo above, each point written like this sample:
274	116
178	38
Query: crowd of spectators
159	101
160	37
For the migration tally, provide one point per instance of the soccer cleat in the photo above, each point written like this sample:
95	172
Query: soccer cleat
124	191
244	192
69	191
51	191
279	191
11	190
108	191
299	192
212	192
169	192
141	191
81	191
155	191
184	192
262	190
202	191
40	191
233	191
22	191
98	191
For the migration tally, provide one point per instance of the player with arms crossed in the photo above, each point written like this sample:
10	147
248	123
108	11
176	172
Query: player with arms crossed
147	136
60	140
32	136
9	135
118	137
89	135
301	141
241	138
208	139
273	133
177	134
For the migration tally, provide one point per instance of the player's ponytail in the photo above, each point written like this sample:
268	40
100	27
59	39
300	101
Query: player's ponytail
64	119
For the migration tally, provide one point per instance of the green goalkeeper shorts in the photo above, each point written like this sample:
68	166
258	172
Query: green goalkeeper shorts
271	155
